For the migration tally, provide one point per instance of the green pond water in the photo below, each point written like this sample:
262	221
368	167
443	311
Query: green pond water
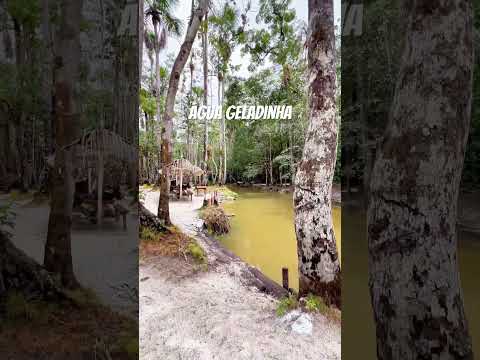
263	234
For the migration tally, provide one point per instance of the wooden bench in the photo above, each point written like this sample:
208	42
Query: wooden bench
188	192
111	209
204	188
121	210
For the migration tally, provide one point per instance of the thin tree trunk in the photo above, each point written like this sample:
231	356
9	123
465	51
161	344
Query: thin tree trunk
224	135
140	35
47	76
414	280
270	162
319	266
189	121
205	94
157	88
100	157
292	160
58	255
179	64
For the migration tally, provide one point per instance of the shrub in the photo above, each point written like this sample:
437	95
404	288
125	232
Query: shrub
286	304
7	218
197	252
315	304
215	220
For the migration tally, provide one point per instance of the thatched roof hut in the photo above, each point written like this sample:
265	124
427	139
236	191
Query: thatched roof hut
181	168
184	167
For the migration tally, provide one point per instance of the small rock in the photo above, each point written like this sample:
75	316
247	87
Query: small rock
290	316
303	325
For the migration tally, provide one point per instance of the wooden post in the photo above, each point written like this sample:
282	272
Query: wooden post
100	179
181	179
285	278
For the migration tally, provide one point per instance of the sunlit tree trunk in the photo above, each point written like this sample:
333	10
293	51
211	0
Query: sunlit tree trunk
58	255
157	85
224	135
205	93
166	151
319	265
414	280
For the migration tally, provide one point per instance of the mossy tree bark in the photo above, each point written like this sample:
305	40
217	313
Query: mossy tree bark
319	265
167	130
414	279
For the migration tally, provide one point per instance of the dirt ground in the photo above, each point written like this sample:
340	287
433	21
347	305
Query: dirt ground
191	313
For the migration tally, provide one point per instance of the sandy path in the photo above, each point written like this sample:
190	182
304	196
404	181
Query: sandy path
211	315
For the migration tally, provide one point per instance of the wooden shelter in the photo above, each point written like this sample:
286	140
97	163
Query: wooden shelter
96	153
182	169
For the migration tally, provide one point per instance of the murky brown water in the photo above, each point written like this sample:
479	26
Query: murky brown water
263	232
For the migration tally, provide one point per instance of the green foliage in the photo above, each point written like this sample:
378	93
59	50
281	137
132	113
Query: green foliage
19	309
225	191
315	304
148	143
286	304
148	103
225	34
277	38
83	297
26	12
7	217
147	234
254	140
161	13
197	252
129	344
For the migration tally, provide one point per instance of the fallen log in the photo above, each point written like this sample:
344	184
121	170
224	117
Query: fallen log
20	273
250	276
149	220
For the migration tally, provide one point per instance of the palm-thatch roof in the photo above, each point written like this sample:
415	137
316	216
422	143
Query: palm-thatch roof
184	167
100	142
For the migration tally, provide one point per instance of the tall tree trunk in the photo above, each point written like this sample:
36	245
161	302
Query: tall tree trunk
47	75
414	280
100	151
189	121
319	266
141	34
205	94
58	255
292	160
224	135
157	88
270	161
178	65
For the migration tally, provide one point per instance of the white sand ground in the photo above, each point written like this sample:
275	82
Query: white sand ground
212	315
